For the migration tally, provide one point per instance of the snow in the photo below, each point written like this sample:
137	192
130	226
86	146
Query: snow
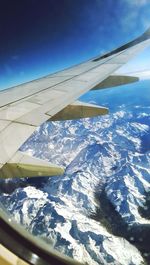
102	154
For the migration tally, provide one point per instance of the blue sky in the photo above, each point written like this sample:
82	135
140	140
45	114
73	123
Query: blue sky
41	37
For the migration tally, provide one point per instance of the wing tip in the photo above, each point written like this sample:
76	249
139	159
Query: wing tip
146	34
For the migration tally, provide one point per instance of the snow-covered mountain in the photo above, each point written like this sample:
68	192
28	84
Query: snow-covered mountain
98	211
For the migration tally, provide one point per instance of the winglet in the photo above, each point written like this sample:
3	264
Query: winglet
22	165
146	34
143	37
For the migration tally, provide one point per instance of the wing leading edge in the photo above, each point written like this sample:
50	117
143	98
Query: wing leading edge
24	107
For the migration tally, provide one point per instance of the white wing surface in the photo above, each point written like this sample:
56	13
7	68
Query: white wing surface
24	107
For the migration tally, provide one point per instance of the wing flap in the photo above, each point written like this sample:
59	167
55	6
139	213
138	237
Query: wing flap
17	110
11	138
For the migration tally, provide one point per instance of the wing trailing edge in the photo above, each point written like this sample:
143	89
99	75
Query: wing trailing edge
22	165
79	110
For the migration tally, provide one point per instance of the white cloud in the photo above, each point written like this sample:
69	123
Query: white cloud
133	19
136	2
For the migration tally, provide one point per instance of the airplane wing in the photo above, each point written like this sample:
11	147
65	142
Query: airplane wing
53	97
